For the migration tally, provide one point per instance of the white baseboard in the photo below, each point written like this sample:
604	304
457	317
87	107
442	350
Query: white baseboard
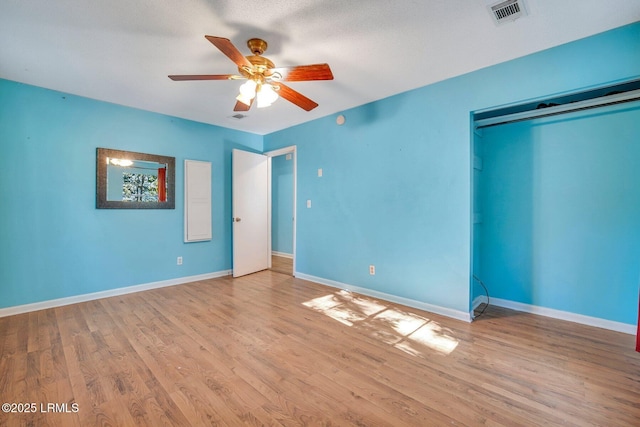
282	254
19	309
565	315
444	311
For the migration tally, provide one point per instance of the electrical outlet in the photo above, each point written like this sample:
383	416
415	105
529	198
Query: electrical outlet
179	261
308	203
320	173
372	270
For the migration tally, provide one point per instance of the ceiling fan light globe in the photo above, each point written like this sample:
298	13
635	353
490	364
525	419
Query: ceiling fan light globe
244	99
248	89
266	95
262	103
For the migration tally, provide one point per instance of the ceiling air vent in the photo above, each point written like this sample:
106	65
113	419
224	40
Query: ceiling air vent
507	11
238	116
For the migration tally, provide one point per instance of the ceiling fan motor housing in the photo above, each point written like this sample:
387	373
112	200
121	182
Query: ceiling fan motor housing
260	63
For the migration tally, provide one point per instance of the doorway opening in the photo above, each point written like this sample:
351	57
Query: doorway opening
282	207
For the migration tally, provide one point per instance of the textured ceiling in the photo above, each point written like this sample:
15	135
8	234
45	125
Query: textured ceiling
121	51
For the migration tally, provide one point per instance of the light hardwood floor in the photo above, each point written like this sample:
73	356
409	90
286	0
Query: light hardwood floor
269	349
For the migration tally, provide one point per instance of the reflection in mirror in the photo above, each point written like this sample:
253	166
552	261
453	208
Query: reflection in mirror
136	180
128	180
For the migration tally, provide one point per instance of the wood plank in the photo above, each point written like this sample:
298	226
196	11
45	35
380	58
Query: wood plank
282	265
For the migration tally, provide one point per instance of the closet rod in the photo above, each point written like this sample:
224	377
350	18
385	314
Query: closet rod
602	101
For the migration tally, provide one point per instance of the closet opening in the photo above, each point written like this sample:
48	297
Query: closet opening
556	206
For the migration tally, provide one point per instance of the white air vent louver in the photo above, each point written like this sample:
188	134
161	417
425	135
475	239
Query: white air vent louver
507	11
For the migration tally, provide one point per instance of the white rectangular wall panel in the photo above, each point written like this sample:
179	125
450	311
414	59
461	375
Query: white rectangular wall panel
197	201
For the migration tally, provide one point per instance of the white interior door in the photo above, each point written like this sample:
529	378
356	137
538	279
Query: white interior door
251	216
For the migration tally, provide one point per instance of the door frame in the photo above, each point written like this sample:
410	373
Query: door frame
292	149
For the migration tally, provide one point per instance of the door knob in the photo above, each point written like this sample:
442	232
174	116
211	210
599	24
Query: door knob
237	219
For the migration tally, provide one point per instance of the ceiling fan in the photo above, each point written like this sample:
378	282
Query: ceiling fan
264	79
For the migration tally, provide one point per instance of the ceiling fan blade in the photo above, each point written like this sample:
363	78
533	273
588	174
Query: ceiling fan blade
302	73
230	50
241	106
296	97
206	77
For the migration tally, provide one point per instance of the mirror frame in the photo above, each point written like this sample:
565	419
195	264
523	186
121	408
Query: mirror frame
101	180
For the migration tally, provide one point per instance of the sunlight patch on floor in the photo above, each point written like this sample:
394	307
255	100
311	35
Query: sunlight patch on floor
333	305
405	331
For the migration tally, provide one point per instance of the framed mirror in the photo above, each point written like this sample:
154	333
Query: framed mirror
128	180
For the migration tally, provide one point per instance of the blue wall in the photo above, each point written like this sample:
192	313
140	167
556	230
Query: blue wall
54	242
561	209
282	204
397	185
384	199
